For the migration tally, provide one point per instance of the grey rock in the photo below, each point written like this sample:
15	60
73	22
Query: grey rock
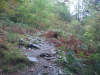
32	46
33	59
45	55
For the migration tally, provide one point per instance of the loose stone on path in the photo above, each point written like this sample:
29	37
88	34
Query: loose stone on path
44	57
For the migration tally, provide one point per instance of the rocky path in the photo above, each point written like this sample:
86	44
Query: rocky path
43	54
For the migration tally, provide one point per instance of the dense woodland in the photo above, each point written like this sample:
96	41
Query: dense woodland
76	36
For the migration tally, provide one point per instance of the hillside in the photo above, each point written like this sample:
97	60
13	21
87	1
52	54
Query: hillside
44	37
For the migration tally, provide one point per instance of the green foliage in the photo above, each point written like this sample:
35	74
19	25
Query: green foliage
15	57
92	30
12	37
3	46
93	65
2	53
82	54
5	68
44	14
12	59
61	58
71	64
63	12
38	12
21	66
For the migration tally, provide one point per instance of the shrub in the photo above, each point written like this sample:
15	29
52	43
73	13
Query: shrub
3	46
2	53
15	57
4	68
93	65
12	37
71	64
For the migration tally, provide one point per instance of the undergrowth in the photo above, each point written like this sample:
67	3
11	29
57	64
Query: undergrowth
11	57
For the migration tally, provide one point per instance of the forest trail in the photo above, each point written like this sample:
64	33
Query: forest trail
43	54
